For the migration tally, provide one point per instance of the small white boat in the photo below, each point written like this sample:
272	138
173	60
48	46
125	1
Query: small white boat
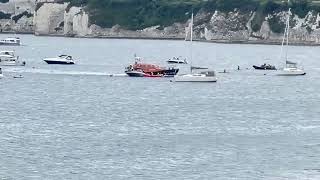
62	59
18	76
11	41
8	58
177	60
130	71
133	73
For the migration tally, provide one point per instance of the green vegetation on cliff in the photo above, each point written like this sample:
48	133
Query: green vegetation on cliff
139	14
4	15
298	7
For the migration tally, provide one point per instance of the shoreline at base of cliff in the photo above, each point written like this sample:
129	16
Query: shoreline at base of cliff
257	42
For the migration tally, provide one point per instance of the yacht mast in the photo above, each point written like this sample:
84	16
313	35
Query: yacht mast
288	29
286	34
191	39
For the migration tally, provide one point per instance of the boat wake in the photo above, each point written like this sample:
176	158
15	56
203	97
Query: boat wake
58	72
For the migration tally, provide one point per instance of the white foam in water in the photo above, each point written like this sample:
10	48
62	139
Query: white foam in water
58	72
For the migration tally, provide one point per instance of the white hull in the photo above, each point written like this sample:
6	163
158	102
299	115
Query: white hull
177	62
58	61
195	78
63	59
291	72
9	44
1	76
12	41
11	63
135	73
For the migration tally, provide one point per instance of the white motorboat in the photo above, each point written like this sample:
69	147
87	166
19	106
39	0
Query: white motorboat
291	68
177	60
204	76
135	73
8	58
11	41
62	59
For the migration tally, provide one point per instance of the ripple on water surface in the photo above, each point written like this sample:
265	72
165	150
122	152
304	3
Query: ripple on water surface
77	122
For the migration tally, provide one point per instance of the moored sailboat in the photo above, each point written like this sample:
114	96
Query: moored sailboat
203	76
291	68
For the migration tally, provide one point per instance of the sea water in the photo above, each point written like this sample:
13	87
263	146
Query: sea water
78	122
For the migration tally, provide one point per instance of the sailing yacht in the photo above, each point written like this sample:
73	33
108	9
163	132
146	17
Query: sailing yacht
203	76
291	68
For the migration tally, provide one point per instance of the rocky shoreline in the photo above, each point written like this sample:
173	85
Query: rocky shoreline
57	19
54	19
234	27
261	42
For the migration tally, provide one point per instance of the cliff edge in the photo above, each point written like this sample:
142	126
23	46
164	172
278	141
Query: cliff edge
255	25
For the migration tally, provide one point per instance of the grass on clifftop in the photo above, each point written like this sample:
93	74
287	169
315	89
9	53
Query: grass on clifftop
138	14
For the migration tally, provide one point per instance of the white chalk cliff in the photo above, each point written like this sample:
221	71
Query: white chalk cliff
20	16
50	17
